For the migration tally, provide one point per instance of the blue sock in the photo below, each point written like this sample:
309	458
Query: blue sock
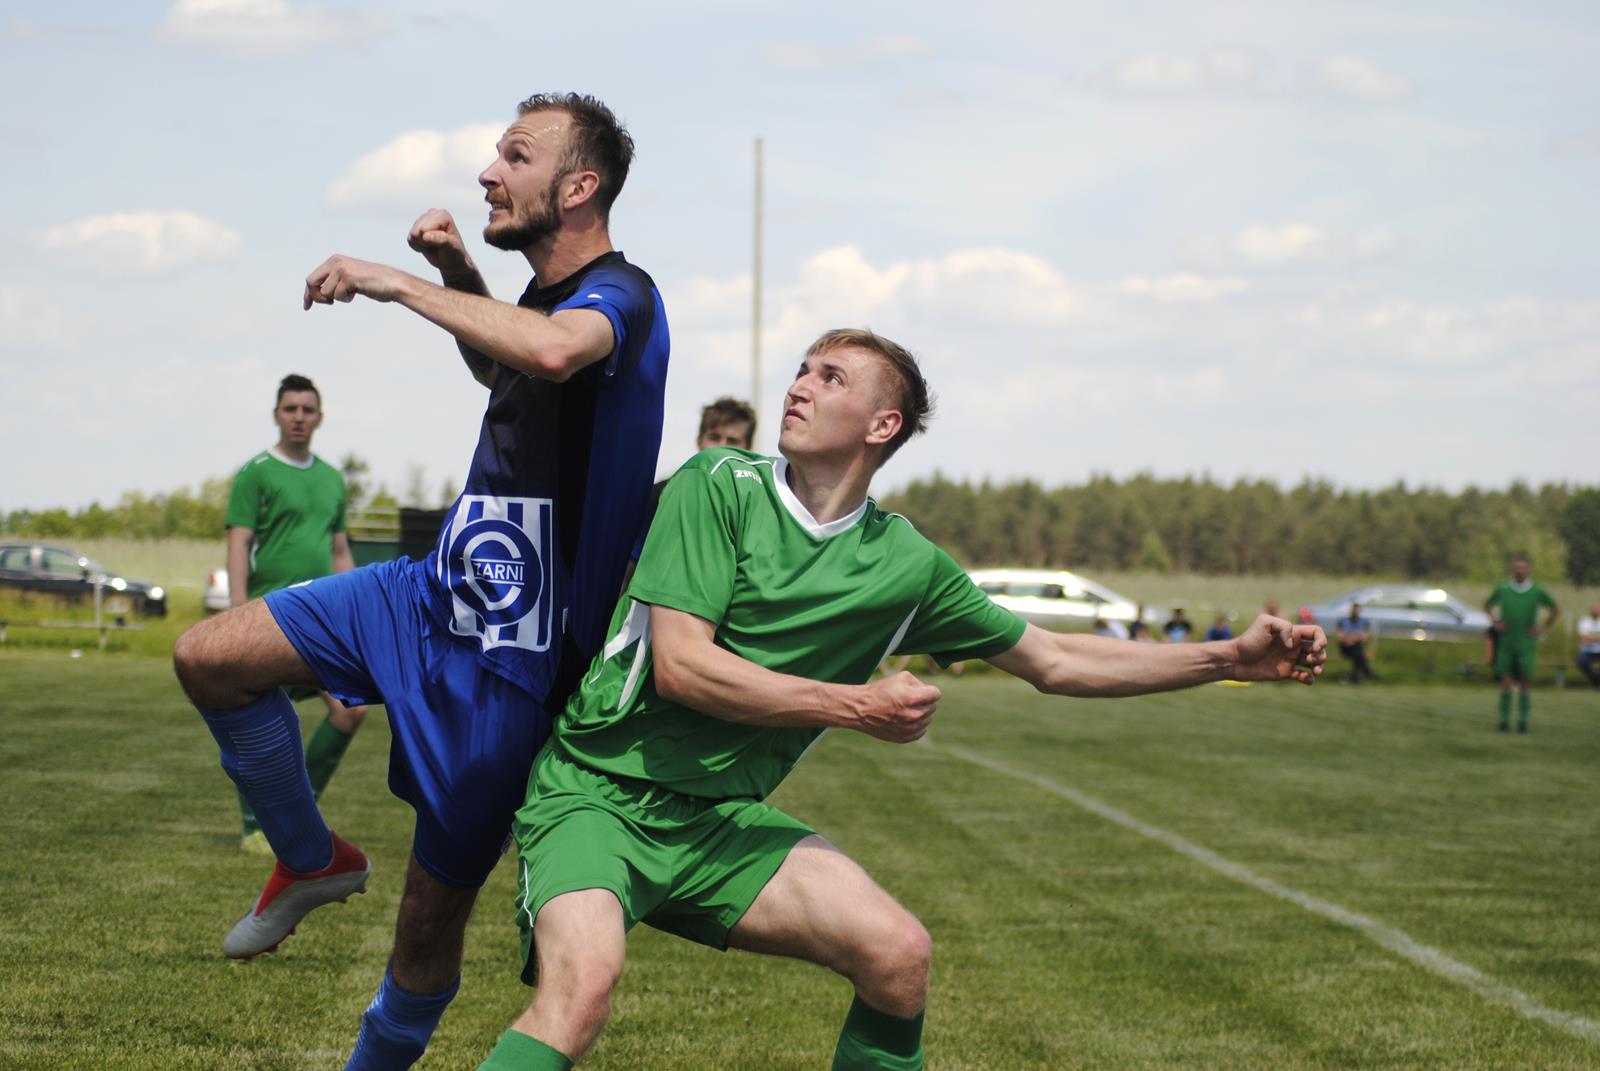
261	752
397	1026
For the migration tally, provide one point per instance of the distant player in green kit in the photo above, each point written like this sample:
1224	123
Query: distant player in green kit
768	590
1515	605
286	524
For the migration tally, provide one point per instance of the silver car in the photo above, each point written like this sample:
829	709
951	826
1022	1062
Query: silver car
1054	598
1412	611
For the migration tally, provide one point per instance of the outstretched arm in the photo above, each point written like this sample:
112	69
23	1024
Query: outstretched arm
489	333
1271	649
554	347
690	669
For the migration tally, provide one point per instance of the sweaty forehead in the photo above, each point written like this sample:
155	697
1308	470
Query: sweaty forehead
545	128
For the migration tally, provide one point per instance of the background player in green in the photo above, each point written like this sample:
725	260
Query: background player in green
768	590
286	524
1515	605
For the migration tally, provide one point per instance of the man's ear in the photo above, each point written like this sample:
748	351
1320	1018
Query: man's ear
578	188
886	424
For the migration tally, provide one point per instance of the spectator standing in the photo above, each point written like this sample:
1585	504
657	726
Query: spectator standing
1354	632
285	524
1589	646
1515	604
1219	629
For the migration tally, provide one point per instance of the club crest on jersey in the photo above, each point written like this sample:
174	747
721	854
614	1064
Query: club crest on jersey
494	557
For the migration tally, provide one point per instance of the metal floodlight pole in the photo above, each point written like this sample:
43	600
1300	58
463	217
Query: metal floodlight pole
755	295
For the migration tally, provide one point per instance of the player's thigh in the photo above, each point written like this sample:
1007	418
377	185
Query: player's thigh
823	907
581	937
248	645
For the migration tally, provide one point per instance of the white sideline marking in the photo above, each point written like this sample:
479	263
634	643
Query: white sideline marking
1394	940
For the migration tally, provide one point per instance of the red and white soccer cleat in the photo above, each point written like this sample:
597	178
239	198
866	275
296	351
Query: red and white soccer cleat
290	896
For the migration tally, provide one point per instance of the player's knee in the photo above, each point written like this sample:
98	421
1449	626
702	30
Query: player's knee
191	661
910	950
894	977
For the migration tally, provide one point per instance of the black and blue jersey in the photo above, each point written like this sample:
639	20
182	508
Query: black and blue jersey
530	559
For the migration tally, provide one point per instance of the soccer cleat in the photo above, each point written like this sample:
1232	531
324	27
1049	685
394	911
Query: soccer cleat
291	896
256	844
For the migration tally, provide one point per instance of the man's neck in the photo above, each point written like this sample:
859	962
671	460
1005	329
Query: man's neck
828	489
300	454
566	251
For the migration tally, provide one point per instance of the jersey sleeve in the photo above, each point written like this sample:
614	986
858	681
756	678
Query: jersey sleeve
1546	599
690	552
244	500
627	303
1493	600
957	621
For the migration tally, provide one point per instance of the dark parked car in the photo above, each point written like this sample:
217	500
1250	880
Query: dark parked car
56	570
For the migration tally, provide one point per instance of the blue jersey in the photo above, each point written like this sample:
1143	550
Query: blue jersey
530	559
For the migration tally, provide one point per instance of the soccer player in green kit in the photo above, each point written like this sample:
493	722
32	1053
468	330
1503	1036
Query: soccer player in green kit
286	524
767	592
1515	605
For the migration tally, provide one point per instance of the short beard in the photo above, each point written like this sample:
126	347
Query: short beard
541	224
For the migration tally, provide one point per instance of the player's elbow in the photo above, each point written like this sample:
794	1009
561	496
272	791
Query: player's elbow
557	360
671	677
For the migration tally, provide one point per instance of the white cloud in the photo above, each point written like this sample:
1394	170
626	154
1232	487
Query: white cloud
1280	244
416	167
31	319
265	26
1184	287
1361	78
140	242
1157	73
804	56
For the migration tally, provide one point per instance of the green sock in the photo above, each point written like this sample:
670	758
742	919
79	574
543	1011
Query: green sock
877	1041
519	1052
247	817
323	752
1505	708
1524	706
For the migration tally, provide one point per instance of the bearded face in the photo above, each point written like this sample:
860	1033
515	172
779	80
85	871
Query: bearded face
514	227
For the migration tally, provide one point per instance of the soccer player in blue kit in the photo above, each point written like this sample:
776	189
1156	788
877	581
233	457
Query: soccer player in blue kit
473	648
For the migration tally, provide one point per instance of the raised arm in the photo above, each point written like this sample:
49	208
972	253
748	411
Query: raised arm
554	347
691	670
435	236
1271	649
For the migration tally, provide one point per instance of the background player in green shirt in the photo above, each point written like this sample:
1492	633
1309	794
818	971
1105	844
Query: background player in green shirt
1515	605
286	524
768	590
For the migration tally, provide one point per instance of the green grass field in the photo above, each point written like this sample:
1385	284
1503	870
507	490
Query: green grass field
1063	939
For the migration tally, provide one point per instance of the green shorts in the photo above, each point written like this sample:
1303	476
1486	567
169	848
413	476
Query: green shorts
1515	659
682	864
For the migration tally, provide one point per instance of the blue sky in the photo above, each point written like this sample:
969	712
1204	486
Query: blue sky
1355	241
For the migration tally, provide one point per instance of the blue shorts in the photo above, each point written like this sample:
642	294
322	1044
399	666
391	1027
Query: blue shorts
464	737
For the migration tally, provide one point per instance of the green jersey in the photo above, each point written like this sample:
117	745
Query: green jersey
1519	607
294	511
732	544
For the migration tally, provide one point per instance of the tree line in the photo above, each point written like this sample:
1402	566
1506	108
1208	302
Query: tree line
197	513
1142	524
1145	524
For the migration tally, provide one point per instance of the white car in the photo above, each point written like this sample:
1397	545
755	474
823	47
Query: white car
1055	599
216	598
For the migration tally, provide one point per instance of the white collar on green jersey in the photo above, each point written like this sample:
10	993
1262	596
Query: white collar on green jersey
797	509
1520	588
306	464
